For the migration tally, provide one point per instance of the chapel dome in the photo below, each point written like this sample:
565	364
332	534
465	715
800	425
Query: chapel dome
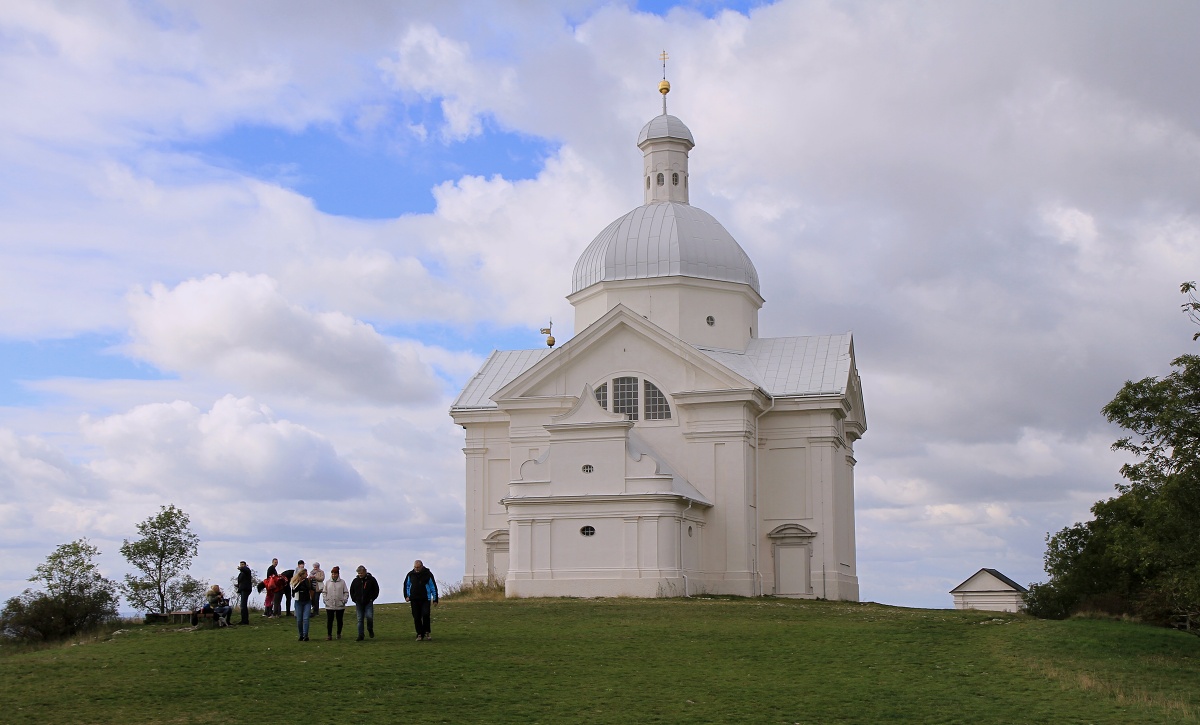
665	126
664	239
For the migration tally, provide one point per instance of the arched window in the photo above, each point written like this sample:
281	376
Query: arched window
635	397
647	182
674	179
655	403
661	179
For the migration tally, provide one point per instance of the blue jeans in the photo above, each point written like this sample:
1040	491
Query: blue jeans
366	613
303	612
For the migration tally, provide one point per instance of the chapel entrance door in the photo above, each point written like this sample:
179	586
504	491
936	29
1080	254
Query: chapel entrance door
791	545
793	564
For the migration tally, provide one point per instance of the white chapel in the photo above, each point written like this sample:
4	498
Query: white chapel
668	448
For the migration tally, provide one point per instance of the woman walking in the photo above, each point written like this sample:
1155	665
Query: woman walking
302	596
316	577
336	594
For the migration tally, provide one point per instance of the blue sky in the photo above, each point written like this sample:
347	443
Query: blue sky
237	236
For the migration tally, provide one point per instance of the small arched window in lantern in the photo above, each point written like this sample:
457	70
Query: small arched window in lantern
675	179
661	179
647	182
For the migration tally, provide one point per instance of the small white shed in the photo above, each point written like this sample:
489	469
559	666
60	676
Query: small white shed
989	590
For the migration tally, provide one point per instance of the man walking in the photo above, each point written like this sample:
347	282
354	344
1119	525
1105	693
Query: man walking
245	584
364	590
420	591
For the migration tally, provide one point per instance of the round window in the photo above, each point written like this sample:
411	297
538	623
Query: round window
588	468
710	320
588	531
689	531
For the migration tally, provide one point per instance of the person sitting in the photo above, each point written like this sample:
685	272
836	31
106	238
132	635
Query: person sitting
218	604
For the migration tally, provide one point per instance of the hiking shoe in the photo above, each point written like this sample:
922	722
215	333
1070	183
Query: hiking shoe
359	639
372	634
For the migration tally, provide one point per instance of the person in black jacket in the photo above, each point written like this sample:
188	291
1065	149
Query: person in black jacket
364	590
245	585
420	591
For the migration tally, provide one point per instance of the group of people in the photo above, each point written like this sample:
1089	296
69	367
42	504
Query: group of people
306	588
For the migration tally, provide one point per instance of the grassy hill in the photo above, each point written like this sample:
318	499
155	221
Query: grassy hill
622	660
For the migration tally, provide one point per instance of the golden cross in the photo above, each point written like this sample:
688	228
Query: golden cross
663	57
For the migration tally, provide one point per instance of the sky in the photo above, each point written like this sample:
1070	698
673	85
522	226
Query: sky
249	252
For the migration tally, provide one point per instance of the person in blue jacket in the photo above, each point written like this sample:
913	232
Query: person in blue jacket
420	591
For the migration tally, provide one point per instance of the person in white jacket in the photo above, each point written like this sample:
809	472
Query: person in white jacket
336	593
317	577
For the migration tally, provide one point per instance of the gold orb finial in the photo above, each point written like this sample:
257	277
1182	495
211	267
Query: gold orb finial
550	341
664	87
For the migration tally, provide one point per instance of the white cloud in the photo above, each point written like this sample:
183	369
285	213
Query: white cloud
240	328
236	449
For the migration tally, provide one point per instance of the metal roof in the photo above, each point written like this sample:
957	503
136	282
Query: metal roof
791	365
501	368
781	366
664	239
665	126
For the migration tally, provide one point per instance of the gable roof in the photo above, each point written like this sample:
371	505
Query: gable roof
779	366
621	316
995	573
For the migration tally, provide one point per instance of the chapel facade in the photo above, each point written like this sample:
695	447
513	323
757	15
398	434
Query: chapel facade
667	449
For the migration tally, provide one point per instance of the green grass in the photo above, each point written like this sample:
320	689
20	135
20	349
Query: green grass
623	660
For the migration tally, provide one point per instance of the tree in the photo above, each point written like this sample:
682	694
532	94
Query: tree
77	596
1191	308
1140	553
162	555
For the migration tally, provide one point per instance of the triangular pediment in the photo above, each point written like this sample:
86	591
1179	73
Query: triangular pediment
988	580
856	417
594	339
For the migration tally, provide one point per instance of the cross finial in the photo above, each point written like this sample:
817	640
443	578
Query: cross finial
664	87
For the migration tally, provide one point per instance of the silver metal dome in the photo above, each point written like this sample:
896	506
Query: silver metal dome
664	239
665	126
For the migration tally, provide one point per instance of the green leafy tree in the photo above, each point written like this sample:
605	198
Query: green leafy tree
1191	308
162	554
1140	553
77	596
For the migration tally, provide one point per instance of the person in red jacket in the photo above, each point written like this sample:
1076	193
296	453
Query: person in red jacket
275	584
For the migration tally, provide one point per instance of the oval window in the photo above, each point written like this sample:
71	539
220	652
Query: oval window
588	468
588	531
710	320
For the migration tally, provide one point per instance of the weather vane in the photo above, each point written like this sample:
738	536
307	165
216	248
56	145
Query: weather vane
665	86
546	331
